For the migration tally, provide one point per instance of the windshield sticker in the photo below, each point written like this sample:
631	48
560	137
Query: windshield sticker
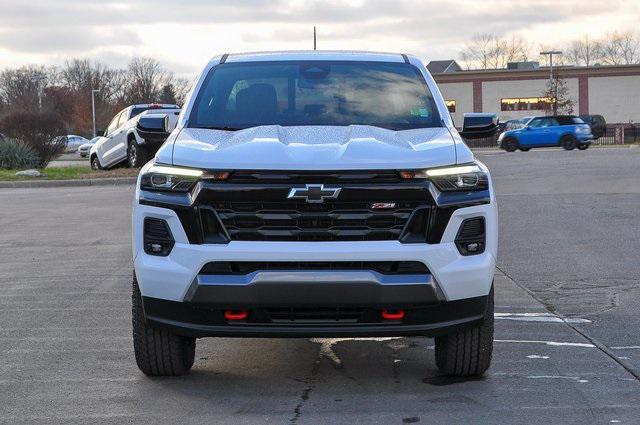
419	112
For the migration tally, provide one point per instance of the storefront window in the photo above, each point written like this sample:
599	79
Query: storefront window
525	103
451	105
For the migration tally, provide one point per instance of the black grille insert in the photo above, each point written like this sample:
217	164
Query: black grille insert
301	221
246	267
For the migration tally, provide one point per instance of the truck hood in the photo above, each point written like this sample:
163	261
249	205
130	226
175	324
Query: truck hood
311	148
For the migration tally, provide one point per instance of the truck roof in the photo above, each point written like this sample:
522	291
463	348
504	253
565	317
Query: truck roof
313	55
155	106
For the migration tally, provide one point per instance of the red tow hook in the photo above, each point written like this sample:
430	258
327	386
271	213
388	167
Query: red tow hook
236	314
395	314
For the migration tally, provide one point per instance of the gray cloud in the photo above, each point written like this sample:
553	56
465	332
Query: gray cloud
63	40
95	27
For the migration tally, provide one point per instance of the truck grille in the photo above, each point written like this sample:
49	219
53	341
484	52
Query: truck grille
300	221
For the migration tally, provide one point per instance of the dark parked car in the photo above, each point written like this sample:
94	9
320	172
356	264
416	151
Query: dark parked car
597	123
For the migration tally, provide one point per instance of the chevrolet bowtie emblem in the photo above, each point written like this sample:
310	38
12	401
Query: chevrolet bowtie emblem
314	193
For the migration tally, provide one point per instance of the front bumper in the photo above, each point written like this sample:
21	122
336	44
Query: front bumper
203	320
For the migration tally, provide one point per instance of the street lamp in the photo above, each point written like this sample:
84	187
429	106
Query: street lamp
93	109
551	85
551	53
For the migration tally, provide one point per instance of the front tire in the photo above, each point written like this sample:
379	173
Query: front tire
467	352
568	143
95	163
158	352
136	155
510	144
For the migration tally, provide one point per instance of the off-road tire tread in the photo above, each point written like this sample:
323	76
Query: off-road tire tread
467	352
142	156
158	352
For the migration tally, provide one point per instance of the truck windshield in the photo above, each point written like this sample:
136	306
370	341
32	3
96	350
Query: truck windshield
242	95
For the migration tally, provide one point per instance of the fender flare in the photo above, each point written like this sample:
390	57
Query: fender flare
132	133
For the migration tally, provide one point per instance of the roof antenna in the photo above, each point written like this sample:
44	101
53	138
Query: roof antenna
314	37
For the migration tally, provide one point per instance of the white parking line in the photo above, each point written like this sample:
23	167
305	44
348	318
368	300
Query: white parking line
538	317
551	343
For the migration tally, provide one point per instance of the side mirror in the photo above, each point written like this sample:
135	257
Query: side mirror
153	127
154	123
479	126
526	127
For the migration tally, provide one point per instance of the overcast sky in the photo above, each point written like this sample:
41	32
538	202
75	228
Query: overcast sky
184	34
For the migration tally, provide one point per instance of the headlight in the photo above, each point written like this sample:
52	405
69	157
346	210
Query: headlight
177	179
459	178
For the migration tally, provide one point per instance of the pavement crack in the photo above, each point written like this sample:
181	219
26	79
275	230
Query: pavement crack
304	396
599	345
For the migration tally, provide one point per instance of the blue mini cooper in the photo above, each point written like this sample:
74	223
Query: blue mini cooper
567	131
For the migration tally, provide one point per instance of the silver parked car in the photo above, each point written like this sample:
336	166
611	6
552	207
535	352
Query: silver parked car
84	149
74	142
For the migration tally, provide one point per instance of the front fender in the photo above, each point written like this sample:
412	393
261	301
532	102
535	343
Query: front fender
132	134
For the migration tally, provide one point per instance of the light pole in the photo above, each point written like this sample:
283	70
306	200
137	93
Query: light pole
553	87
93	109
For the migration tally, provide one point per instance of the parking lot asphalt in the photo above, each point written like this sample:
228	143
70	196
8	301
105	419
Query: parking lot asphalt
569	244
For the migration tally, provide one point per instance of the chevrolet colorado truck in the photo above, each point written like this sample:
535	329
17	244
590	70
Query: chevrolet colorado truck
313	194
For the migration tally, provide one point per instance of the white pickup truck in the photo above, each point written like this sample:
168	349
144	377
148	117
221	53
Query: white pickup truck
313	194
122	140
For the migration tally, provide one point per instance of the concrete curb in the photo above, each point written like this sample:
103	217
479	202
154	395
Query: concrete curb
109	181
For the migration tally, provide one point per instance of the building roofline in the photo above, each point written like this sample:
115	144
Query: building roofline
539	73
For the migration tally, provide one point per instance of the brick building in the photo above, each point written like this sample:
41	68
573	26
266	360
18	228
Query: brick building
611	91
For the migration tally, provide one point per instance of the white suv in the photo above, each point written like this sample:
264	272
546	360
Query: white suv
121	141
314	194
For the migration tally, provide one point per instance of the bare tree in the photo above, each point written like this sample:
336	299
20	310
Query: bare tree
488	51
586	52
146	78
80	77
22	88
620	48
629	47
182	86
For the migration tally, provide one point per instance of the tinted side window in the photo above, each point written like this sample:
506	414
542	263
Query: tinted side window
113	124
548	122
535	123
124	117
